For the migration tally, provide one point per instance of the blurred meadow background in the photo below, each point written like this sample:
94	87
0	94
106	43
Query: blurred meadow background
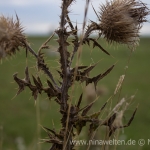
21	119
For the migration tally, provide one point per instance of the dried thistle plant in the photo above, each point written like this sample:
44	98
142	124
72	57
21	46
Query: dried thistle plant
120	22
11	36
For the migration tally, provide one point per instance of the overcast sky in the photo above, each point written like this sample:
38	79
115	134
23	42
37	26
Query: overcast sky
42	16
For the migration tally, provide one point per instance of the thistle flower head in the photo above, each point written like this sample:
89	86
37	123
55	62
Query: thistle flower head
121	20
11	36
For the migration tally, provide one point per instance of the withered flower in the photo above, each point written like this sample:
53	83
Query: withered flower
11	36
121	20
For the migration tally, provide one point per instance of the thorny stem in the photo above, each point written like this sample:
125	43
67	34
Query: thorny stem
77	47
65	71
92	27
31	50
46	71
44	45
63	49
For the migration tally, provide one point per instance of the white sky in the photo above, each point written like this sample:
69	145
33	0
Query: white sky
42	16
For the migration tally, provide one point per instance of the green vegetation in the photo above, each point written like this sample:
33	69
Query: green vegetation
18	116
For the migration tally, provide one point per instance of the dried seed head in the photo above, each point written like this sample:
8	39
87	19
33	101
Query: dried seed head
121	20
118	86
11	36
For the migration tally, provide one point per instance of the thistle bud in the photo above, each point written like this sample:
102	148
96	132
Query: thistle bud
121	20
11	36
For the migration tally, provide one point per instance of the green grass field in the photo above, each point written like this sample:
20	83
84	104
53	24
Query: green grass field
19	116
